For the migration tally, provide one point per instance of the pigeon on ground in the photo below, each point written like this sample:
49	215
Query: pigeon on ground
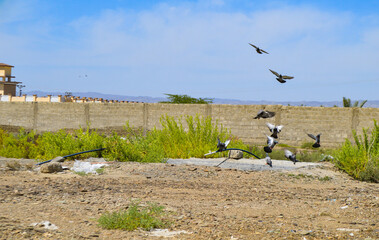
268	160
260	51
274	129
290	156
264	114
317	138
281	77
222	146
271	142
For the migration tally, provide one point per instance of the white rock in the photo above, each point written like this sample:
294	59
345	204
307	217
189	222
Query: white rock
45	224
166	233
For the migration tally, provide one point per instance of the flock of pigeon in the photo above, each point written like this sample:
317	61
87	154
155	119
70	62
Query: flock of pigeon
272	140
275	130
281	78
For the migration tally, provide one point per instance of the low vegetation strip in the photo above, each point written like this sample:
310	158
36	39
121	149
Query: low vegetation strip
173	140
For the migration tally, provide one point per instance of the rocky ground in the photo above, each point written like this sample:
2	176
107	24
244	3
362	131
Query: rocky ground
204	202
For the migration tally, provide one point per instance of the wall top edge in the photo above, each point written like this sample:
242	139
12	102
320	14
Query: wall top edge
262	106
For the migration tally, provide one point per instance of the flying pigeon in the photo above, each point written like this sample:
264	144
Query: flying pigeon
268	160
271	142
274	129
317	138
281	77
290	156
260	51
222	146
264	114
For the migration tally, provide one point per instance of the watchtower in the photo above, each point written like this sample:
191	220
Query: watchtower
7	87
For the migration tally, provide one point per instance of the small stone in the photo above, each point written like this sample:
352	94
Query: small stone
58	159
303	232
235	154
51	167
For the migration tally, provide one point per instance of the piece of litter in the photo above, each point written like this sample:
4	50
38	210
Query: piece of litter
166	233
87	167
348	229
45	224
344	207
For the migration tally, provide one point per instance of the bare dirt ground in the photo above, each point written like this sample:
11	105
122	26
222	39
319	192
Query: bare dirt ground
205	202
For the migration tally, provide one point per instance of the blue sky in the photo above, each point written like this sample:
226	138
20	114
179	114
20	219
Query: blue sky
199	48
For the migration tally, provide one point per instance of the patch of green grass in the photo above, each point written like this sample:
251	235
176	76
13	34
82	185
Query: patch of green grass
307	145
82	173
283	145
136	216
326	178
100	171
300	176
303	176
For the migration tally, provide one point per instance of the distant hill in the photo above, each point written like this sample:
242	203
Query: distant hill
146	99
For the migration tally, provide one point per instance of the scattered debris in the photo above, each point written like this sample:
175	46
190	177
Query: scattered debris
45	224
304	232
344	207
348	229
87	167
166	233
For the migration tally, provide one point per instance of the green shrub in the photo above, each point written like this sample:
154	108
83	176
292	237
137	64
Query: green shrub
21	145
136	216
134	147
62	143
199	139
362	159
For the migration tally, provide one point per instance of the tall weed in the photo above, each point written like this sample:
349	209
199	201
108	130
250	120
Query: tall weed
362	159
199	138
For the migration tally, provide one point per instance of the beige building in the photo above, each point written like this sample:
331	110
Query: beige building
7	87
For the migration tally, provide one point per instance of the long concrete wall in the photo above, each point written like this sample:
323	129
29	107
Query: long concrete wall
335	123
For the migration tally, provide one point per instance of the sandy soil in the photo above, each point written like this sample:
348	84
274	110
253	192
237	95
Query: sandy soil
205	202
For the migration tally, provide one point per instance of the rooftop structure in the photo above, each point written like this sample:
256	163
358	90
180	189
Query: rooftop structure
7	86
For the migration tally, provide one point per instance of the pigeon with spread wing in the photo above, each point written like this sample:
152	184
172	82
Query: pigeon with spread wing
281	77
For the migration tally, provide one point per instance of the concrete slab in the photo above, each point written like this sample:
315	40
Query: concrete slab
245	164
